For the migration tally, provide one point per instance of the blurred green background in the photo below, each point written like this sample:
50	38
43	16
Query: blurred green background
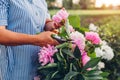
105	15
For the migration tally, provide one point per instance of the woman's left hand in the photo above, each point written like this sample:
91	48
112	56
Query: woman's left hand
51	25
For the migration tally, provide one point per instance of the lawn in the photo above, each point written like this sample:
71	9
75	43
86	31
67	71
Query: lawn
89	12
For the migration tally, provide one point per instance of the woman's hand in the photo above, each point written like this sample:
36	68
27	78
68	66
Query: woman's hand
51	25
10	38
44	38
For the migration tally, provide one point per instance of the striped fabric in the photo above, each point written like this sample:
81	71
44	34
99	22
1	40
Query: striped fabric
22	16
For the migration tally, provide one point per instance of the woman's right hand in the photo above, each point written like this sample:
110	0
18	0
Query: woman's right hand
10	38
44	38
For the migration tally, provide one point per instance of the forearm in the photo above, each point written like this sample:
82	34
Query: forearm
12	38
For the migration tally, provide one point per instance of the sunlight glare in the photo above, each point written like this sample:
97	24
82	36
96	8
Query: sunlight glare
99	3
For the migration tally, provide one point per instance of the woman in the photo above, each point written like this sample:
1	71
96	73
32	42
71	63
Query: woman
20	20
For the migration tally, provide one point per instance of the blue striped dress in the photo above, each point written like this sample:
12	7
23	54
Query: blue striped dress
22	16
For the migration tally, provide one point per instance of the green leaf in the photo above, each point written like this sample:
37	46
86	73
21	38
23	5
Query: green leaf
51	65
59	57
80	77
105	74
107	79
61	54
77	65
62	32
74	68
92	55
92	63
77	52
48	77
62	45
75	21
71	65
68	52
62	67
54	74
70	75
93	73
94	78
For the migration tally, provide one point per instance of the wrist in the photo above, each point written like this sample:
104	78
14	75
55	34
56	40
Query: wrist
35	40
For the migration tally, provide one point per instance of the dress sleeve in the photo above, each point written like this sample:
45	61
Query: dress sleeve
3	12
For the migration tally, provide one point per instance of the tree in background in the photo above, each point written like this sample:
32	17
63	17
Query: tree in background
68	4
87	4
103	6
50	3
83	4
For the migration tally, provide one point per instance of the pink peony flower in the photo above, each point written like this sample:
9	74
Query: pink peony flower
61	15
57	18
71	28
78	39
85	58
93	37
46	54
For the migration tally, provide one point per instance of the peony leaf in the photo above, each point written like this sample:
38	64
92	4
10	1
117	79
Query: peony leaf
105	74
59	57
74	67
68	53
92	63
94	78
54	74
50	65
70	75
93	75
75	21
62	45
62	67
62	32
71	66
92	55
49	75
77	52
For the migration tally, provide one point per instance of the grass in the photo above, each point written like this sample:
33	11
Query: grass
89	12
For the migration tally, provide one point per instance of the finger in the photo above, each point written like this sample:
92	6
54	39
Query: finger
56	42
55	31
57	25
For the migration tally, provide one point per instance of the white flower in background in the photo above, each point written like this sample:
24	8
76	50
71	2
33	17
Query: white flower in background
103	42
105	51
101	65
98	52
92	27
